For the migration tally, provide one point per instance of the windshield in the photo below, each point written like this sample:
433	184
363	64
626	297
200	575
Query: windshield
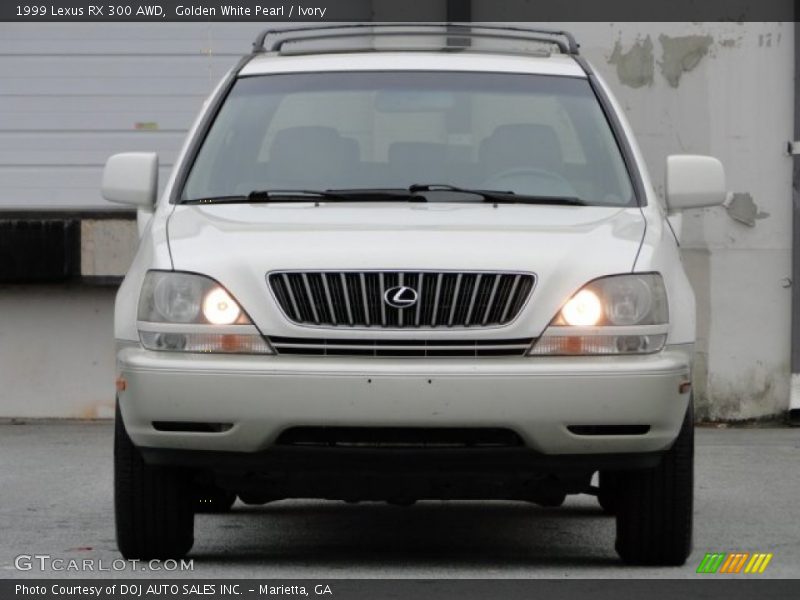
533	135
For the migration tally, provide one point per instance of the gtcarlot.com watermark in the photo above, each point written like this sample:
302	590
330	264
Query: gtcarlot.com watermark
47	562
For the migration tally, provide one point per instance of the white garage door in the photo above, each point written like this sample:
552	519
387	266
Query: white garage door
72	94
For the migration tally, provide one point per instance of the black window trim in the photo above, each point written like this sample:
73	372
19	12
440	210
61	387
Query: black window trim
203	127
618	131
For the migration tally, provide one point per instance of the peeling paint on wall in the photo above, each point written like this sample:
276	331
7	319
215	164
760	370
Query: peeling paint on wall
681	54
731	42
636	67
743	209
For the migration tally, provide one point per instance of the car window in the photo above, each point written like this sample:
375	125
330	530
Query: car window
530	134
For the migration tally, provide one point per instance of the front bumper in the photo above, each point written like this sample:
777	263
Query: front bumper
538	397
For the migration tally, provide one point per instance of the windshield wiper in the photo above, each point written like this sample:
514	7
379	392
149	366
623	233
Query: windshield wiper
497	196
269	196
344	195
411	194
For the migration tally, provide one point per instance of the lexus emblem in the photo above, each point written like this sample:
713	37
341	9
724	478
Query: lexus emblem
400	296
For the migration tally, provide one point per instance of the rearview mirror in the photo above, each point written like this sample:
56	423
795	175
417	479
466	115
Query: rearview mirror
415	101
694	181
131	178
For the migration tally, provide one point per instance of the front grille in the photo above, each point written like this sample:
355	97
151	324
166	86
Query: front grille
400	348
443	299
400	437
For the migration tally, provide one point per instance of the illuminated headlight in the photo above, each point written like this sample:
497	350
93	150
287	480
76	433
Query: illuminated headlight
219	308
584	308
621	314
186	312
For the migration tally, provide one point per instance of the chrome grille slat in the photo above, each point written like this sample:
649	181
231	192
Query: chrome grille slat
510	297
288	285
454	302
436	298
382	292
355	299
468	318
420	281
328	298
489	303
310	297
400	348
364	298
346	298
400	313
390	346
522	292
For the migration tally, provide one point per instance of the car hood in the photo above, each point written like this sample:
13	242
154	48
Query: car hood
565	246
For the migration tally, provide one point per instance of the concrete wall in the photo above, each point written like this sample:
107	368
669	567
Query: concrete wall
73	94
725	89
56	351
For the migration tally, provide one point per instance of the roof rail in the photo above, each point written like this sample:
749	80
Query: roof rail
563	39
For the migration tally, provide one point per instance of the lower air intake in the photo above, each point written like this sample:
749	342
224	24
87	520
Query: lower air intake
609	429
400	437
191	426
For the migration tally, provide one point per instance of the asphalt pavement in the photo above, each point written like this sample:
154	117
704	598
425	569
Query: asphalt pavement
56	501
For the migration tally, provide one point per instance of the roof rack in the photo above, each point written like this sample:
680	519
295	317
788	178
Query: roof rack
563	39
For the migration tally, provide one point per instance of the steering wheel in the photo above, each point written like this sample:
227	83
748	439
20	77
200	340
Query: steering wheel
525	174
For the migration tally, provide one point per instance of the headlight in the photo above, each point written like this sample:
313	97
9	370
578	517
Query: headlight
175	298
621	314
186	312
634	300
584	308
172	297
219	308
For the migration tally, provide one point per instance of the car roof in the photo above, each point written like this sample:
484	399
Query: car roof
553	64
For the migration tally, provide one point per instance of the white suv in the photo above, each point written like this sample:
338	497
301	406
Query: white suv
397	263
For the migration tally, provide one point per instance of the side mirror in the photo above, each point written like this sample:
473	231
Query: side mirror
131	178
694	181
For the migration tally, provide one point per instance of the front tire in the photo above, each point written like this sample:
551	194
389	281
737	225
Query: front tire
152	505
654	506
608	491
